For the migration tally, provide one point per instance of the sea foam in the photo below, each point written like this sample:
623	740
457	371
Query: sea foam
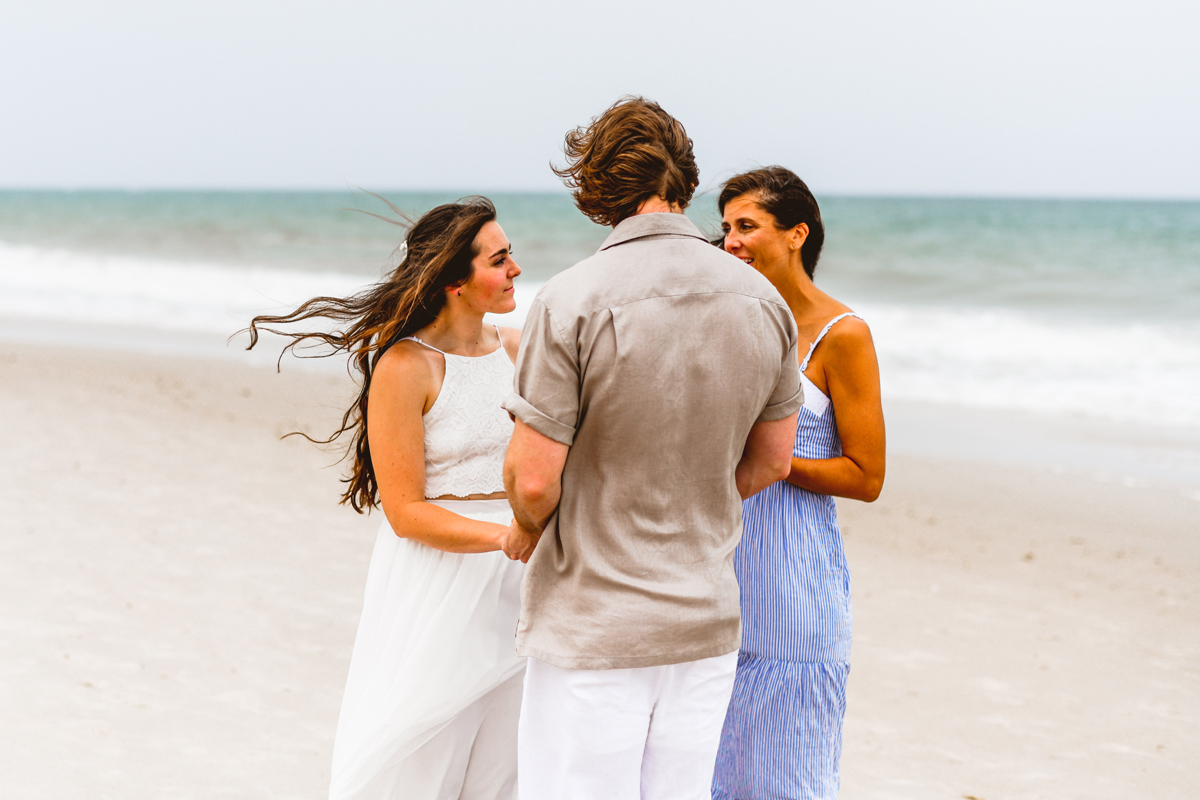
972	357
71	287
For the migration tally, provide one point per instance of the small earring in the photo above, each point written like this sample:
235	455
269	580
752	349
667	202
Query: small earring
460	292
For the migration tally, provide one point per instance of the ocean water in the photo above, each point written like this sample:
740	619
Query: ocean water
1071	310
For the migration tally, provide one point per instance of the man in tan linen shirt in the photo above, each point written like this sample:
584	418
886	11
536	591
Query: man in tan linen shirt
657	384
651	361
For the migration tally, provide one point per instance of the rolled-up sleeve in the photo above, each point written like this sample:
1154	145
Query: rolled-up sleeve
788	395
546	385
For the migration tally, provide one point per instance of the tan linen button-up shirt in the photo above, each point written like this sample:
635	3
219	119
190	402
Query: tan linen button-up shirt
652	359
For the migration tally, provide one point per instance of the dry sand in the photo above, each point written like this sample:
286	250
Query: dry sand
1021	634
179	592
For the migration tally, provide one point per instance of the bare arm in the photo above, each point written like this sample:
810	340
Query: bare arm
533	479
402	388
851	372
767	457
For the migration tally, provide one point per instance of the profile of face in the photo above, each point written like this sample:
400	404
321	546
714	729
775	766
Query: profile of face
490	287
751	234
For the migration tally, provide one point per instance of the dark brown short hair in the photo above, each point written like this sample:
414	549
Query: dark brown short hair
630	153
782	194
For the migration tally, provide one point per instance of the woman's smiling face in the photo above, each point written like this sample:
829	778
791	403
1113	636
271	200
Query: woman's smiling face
490	287
751	234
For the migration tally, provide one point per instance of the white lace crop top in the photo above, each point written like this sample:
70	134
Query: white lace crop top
466	430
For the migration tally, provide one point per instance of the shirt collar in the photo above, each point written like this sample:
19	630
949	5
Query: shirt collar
639	226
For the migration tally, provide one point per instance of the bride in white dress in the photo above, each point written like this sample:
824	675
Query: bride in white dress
434	691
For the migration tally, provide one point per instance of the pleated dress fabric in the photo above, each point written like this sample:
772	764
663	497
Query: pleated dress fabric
433	696
782	738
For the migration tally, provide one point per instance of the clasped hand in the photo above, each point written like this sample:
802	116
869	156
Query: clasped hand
518	542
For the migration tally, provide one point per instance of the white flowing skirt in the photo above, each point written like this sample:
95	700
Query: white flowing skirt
436	635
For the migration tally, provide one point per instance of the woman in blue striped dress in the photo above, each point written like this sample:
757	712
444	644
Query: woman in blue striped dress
783	732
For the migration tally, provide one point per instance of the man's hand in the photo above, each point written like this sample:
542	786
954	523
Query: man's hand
518	543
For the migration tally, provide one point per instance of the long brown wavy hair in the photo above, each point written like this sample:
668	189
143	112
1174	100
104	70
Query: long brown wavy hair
440	250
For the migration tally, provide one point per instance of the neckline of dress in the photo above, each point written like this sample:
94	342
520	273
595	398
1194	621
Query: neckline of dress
456	355
469	358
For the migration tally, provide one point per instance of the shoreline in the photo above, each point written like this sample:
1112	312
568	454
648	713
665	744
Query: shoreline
180	592
1132	454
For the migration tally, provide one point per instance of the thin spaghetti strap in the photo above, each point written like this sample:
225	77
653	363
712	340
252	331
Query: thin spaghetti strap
821	335
507	356
418	341
443	352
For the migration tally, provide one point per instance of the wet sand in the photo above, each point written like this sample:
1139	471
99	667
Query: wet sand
179	591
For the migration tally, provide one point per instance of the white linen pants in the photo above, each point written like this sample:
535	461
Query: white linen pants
649	733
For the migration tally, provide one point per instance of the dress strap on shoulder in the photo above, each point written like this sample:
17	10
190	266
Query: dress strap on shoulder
425	344
821	335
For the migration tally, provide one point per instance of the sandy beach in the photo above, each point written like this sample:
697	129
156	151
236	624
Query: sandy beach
179	592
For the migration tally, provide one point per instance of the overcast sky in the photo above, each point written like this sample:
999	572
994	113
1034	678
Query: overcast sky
1024	97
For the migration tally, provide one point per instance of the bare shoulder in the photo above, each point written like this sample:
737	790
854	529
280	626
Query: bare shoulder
511	339
405	367
850	329
850	337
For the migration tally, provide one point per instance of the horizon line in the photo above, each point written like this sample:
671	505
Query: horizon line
459	192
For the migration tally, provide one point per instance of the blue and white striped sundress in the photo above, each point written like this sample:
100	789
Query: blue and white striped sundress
783	732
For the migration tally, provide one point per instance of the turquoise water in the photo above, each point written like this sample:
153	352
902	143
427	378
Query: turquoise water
1080	308
1092	260
1088	259
1136	260
291	230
